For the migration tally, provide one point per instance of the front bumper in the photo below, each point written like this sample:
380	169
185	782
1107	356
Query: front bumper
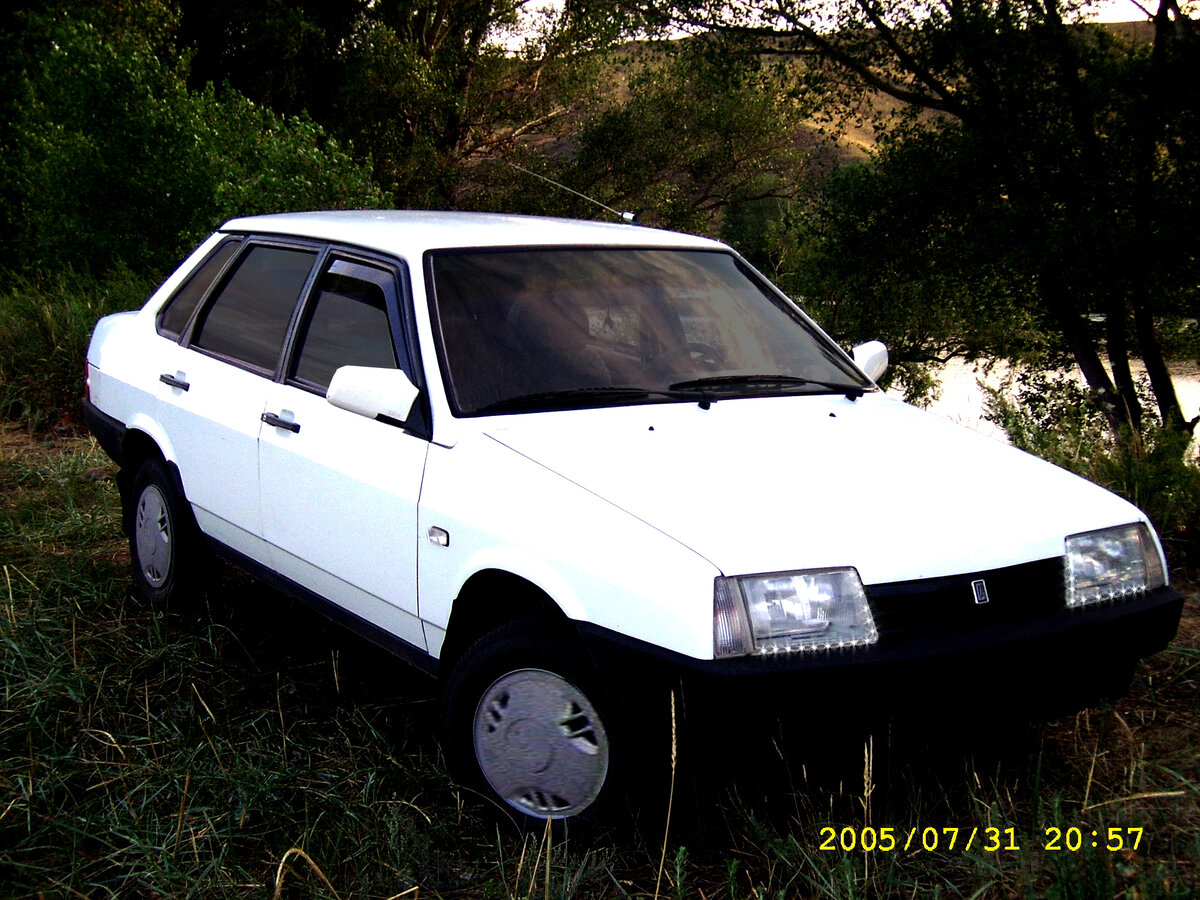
1044	660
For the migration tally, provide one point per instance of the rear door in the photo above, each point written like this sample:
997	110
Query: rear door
214	384
339	491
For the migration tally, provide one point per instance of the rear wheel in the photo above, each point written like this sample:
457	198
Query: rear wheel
164	544
523	722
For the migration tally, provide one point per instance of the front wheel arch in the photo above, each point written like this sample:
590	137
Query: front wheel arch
491	599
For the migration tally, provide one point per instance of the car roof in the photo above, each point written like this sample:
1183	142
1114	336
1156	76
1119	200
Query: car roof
412	231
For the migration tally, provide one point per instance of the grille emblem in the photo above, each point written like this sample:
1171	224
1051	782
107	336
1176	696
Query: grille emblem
979	588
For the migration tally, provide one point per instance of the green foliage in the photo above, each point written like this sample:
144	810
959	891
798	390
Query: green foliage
913	247
423	88
284	56
1055	417
702	128
263	163
1040	169
45	322
117	168
115	162
400	106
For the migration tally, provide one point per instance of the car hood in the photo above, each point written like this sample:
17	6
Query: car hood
778	483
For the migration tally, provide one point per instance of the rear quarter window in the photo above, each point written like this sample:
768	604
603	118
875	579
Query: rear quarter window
174	317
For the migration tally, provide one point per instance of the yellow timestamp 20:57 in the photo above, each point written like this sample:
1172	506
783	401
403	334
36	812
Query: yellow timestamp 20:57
887	839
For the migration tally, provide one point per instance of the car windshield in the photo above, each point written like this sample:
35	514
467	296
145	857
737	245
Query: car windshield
534	329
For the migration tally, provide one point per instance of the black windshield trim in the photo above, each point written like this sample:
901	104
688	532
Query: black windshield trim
582	398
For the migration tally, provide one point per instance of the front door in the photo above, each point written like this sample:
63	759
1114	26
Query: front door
339	491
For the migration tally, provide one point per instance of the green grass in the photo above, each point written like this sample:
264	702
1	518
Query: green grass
252	750
45	323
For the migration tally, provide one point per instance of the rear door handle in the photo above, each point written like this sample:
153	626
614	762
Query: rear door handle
272	419
173	381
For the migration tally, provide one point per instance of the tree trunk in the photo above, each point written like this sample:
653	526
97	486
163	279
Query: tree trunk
1118	359
1156	367
1074	329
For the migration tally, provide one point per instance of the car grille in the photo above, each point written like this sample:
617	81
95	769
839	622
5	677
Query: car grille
933	606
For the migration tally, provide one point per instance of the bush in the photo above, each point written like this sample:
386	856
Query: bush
115	170
115	162
1055	417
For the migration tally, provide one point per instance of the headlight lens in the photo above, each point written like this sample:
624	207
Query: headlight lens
1112	563
817	609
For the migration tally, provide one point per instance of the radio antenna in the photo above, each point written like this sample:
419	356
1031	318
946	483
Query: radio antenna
629	217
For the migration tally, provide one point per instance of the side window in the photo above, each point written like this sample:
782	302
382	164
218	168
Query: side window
347	324
175	314
248	319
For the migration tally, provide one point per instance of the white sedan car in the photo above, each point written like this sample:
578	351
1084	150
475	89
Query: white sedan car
570	467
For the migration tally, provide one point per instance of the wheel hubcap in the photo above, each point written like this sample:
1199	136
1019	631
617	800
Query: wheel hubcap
152	531
540	744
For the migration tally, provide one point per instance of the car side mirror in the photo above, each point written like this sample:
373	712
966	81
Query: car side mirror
872	358
373	392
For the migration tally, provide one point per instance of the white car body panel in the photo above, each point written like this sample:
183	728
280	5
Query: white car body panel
598	563
360	480
784	483
215	424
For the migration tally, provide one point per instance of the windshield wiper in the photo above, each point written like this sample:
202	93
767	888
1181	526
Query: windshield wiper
852	391
572	397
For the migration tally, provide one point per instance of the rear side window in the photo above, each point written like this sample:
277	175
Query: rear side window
248	319
175	315
347	325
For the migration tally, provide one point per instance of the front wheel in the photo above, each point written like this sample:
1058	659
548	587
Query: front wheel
521	721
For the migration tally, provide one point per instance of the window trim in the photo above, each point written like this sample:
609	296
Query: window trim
398	299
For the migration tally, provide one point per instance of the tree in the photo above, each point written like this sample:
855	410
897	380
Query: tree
687	133
916	246
1085	148
424	88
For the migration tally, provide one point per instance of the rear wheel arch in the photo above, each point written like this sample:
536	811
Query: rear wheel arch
137	448
168	553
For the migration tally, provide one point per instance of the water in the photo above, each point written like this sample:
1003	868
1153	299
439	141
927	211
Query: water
962	400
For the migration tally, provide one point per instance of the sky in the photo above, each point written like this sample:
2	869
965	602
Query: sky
1105	11
1123	11
1130	11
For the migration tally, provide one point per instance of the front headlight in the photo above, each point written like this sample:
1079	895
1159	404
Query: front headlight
1112	563
817	609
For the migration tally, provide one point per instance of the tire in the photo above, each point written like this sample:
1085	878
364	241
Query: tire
165	546
524	724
